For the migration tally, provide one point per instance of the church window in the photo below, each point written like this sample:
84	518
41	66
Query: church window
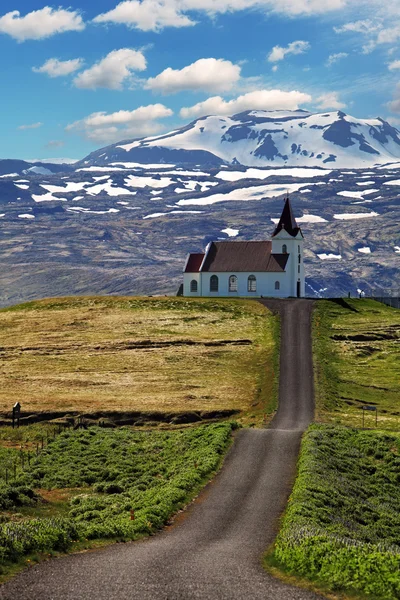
299	249
251	284
193	285
298	269
299	258
233	284
284	249
277	285
213	283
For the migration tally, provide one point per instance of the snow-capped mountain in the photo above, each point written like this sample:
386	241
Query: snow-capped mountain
264	138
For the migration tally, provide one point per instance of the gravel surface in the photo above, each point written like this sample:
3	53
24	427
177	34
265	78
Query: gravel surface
213	550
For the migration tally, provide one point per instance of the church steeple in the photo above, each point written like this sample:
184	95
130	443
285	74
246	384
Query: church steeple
287	221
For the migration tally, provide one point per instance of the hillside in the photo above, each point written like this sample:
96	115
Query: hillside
135	360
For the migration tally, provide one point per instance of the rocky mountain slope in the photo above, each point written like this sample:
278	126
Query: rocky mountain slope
264	138
123	227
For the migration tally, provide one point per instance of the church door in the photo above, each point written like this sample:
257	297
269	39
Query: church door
298	289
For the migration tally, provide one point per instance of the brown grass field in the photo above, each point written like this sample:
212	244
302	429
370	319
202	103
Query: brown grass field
90	354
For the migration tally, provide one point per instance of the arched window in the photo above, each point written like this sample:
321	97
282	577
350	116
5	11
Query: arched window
299	258
299	249
213	283
193	285
233	283
251	284
284	249
277	285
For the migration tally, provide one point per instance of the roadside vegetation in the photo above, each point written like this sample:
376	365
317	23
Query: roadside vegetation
341	529
163	355
116	484
357	358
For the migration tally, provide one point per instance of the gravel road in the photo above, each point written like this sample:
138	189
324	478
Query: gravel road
213	550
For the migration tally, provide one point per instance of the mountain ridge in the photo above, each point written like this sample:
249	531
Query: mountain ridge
263	138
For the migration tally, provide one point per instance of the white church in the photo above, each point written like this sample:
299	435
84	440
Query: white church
267	268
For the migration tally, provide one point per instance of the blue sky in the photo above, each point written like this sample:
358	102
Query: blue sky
79	76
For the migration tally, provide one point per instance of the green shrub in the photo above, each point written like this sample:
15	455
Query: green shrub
342	524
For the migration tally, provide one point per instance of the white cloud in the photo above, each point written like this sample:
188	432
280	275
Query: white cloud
275	68
329	100
31	126
363	26
112	71
287	7
394	105
278	52
385	29
40	24
334	58
148	15
113	127
59	68
258	100
154	15
394	65
206	74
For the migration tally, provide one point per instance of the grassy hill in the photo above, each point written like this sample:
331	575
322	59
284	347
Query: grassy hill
357	358
149	355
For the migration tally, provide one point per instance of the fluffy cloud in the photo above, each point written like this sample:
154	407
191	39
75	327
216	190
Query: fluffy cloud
40	24
329	100
31	126
59	68
362	26
278	52
287	7
377	32
148	15
394	65
154	15
334	58
112	127
206	74
112	71
394	106
262	100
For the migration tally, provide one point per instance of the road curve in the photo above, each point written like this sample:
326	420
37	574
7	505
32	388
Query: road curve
213	550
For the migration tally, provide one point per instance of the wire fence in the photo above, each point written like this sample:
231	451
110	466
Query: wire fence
390	297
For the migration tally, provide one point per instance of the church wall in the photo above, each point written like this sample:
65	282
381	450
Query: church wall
265	285
187	278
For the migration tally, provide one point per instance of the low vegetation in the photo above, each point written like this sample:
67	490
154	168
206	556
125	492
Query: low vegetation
342	525
121	354
116	484
357	357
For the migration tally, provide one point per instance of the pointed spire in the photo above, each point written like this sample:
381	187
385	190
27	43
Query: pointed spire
287	220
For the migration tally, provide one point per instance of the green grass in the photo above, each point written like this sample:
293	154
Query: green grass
342	525
84	484
122	354
357	358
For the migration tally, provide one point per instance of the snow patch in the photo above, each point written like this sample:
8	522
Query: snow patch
365	250
230	232
329	256
25	216
264	173
245	194
348	216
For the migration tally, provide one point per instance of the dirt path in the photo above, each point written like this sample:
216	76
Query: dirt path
214	549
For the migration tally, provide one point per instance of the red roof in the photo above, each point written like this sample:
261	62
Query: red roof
194	262
233	256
